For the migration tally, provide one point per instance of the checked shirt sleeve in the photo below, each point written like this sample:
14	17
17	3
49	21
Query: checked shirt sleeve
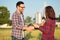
45	27
15	22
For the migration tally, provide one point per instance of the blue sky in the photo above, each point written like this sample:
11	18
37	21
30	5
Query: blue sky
31	6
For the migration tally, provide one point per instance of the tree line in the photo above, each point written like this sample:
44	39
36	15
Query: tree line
5	17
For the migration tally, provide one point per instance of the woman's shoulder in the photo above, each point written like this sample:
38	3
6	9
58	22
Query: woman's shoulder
51	21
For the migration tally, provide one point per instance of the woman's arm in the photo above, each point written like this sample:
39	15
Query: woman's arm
45	27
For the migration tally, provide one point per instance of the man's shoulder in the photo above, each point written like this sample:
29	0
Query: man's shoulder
14	13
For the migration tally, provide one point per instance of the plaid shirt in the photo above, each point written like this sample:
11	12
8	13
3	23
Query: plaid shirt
17	25
48	30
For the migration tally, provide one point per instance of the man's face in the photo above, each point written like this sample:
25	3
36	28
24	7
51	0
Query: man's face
21	7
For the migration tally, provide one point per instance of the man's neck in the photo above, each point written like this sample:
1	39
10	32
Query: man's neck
19	11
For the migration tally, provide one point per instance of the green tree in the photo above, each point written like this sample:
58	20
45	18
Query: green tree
28	20
34	20
59	18
4	15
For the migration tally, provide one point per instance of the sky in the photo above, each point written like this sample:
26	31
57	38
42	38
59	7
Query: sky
31	6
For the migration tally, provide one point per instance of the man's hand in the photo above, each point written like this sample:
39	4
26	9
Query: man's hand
25	27
30	28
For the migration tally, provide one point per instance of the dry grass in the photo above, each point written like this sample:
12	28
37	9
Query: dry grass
5	34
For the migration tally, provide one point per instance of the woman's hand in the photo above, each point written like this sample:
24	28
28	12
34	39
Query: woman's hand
36	25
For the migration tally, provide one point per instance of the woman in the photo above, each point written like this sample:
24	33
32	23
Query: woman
48	27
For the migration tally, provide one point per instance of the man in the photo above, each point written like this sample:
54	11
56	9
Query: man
18	22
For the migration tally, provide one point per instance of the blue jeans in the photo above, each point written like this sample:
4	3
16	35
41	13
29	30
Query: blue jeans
14	38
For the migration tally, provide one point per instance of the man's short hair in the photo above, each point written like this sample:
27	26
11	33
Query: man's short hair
18	3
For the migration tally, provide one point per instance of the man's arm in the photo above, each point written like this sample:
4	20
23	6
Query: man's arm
16	23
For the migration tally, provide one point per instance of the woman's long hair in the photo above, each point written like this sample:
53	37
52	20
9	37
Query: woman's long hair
49	12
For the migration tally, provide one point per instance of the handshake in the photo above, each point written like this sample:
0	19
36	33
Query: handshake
31	27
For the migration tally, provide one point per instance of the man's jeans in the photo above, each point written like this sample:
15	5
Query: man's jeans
14	38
